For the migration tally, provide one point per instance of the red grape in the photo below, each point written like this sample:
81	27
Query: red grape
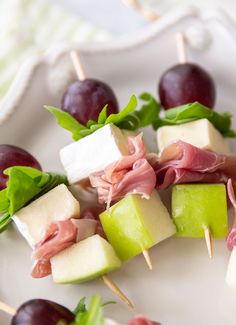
186	83
85	99
14	156
42	312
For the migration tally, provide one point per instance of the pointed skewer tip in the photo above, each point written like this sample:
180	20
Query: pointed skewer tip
113	287
147	258
208	239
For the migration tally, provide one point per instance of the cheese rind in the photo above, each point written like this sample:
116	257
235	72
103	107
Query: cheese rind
135	224
200	133
33	220
84	261
94	152
231	271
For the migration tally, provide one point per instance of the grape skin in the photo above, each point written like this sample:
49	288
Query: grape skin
85	99
186	83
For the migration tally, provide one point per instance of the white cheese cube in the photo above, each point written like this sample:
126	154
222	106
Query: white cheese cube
93	153
231	271
200	133
33	220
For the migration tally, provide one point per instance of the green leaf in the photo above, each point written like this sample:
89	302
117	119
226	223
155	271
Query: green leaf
110	302
103	115
146	115
24	185
117	118
81	307
5	220
4	202
91	316
67	121
129	118
195	111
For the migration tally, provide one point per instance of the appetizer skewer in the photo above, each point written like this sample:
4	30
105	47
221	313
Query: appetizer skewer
114	150
46	215
186	83
41	311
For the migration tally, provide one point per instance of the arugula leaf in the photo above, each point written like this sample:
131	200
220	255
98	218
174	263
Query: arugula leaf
24	185
195	111
67	121
118	118
103	115
91	316
128	118
146	115
4	202
81	307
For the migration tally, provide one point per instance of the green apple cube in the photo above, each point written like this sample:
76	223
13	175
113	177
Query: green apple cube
84	261
135	224
196	207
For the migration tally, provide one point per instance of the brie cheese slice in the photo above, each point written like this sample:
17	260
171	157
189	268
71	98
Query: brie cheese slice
33	220
200	133
94	152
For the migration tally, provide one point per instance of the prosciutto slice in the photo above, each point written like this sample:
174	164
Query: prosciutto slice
130	174
92	213
181	162
141	320
231	239
59	236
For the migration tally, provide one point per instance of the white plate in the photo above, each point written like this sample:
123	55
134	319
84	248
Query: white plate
185	287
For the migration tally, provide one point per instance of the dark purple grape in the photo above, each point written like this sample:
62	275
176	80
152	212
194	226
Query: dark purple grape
186	83
42	312
14	156
85	99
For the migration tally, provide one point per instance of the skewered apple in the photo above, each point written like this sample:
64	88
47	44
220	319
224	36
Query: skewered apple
135	224
200	210
86	260
196	206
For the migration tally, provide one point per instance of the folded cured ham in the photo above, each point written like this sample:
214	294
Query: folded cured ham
181	162
131	174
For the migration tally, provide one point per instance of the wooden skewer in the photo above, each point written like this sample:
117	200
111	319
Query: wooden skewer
7	309
208	239
182	54
147	13
181	47
147	258
111	285
77	64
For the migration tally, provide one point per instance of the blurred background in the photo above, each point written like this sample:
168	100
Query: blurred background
29	27
115	17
